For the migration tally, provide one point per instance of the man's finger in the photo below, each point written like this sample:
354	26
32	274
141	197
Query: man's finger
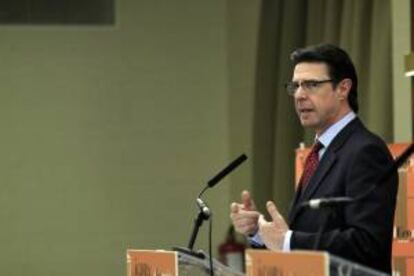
273	212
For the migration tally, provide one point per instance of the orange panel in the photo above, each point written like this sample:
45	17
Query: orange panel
410	266
301	155
397	149
402	249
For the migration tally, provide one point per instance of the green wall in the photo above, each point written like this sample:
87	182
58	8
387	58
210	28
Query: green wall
109	133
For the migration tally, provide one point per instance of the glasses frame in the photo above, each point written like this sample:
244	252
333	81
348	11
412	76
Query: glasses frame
307	85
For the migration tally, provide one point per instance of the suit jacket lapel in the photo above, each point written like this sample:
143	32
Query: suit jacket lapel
293	206
311	187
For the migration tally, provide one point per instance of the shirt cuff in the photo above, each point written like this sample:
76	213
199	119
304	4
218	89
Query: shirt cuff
255	240
286	241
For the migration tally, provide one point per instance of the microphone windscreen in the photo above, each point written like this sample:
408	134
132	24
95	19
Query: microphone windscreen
227	170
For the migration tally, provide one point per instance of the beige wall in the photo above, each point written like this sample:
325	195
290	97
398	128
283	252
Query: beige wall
108	135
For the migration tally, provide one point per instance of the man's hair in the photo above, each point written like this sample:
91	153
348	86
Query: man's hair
339	65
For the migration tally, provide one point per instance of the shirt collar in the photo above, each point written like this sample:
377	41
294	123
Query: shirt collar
329	134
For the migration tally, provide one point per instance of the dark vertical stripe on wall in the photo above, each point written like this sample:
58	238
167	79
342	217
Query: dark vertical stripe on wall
277	38
263	140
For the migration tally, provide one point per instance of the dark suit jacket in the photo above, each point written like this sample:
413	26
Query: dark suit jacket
360	232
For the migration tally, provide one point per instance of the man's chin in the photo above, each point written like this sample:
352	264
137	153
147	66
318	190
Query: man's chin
309	124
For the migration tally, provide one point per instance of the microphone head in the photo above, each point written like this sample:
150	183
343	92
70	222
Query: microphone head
212	182
318	203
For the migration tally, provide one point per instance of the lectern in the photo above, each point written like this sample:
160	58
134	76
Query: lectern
258	263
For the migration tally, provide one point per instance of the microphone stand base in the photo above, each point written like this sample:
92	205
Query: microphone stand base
198	254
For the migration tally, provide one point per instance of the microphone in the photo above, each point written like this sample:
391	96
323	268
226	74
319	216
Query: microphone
203	208
327	202
230	167
212	182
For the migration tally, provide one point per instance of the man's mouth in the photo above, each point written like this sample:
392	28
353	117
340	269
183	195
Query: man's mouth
305	110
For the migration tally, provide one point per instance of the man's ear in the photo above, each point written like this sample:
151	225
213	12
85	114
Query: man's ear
343	88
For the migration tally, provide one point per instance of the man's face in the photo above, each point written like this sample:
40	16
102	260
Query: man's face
319	105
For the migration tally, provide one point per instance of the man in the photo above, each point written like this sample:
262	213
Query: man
347	160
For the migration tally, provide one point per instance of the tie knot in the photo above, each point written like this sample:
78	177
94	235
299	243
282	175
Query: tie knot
317	146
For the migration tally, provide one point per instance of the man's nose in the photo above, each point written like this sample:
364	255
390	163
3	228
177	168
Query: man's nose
300	93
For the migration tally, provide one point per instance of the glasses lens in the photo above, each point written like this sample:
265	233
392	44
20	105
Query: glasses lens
291	87
310	85
307	85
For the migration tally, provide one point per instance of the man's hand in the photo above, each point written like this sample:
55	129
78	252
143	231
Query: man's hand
244	215
272	232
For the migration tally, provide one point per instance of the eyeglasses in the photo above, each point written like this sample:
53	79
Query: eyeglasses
307	85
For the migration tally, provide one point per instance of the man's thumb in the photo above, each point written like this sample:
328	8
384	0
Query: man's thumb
272	210
234	208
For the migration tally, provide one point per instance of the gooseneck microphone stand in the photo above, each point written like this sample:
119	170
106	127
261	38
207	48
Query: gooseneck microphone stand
205	214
